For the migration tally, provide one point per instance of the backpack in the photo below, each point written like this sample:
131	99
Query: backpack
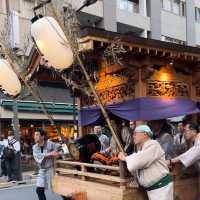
8	153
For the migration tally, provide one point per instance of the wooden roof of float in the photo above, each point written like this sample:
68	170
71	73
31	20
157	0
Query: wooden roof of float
90	37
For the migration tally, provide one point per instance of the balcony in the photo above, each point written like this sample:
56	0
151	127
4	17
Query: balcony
95	9
173	26
128	13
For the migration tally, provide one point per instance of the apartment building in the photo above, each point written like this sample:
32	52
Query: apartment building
175	21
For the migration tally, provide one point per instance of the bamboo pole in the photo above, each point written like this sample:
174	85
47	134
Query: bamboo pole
105	114
50	118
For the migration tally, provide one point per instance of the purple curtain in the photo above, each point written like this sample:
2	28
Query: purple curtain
88	115
145	108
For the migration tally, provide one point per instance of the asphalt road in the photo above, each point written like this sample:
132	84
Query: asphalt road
24	192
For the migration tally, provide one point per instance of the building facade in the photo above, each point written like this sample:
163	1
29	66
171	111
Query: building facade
176	21
55	95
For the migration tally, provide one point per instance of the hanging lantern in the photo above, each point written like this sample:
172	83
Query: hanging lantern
9	81
52	43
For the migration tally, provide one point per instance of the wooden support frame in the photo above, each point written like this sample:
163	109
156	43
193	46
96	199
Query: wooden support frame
70	168
114	134
109	187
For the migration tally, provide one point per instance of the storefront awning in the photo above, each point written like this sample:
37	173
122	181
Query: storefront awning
145	108
35	107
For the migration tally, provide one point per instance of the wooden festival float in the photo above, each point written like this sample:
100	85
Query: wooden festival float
128	68
122	75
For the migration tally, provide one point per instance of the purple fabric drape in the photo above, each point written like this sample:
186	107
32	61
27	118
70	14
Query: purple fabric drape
88	115
153	108
144	108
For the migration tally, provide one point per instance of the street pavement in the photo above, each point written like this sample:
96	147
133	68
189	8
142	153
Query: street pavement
24	192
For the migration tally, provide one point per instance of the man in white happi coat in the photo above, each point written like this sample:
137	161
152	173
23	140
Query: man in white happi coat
150	165
44	152
191	156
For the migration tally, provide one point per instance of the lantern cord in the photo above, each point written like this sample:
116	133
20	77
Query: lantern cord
105	114
37	97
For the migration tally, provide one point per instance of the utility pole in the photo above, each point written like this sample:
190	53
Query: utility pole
15	124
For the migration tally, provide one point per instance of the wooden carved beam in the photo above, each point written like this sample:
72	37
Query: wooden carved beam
196	74
144	49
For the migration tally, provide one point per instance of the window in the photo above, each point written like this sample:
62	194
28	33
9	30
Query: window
129	6
135	7
122	4
197	14
183	9
166	5
175	6
15	31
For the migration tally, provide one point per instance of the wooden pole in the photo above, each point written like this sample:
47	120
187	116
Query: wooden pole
105	114
14	66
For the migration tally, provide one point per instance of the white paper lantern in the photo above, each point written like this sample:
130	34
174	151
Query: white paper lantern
52	43
9	81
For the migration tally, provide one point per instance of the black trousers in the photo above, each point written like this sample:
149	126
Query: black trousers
10	167
66	198
13	168
3	167
41	194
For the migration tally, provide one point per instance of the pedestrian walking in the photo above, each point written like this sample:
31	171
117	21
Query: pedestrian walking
12	157
3	171
44	152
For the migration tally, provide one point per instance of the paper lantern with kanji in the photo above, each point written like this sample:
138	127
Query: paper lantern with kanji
9	81
52	42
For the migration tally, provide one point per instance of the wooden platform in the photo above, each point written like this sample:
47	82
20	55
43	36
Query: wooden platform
70	180
95	191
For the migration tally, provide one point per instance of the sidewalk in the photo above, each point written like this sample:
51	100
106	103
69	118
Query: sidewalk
28	178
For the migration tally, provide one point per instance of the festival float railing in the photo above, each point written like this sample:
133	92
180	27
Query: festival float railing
76	178
83	181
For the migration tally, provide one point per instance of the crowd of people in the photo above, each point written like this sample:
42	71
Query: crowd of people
10	157
151	149
157	146
172	138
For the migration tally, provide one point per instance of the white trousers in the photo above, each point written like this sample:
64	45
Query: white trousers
44	178
164	193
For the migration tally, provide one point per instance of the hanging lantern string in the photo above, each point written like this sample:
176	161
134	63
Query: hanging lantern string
37	97
75	50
